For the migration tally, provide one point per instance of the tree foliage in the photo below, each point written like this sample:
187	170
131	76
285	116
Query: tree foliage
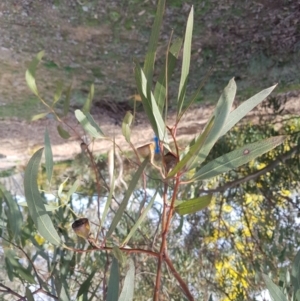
151	235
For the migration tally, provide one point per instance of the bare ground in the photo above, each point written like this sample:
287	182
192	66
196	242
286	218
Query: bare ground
19	139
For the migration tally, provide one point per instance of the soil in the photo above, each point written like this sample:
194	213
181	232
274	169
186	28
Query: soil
20	139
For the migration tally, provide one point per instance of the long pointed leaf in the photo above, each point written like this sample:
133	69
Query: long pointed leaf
150	105
113	282
140	220
30	73
126	126
185	60
62	132
188	159
238	157
275	292
128	287
236	115
86	284
86	124
220	113
13	213
35	202
160	87
48	156
58	92
195	95
296	272
151	52
128	193
193	205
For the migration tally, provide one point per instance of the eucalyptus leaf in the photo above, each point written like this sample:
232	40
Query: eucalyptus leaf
35	202
13	213
48	156
39	116
236	115
186	60
275	292
150	105
58	92
113	282
84	287
161	84
126	198
128	287
296	272
62	132
188	159
193	205
220	115
237	157
140	220
73	189
86	124
126	126
153	42
30	73
29	295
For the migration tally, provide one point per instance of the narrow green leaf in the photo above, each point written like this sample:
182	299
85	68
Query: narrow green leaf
30	73
17	267
220	114
275	292
67	100
63	133
58	92
61	187
236	115
73	189
188	159
13	213
108	202
185	60
128	287
119	255
83	120
153	41
126	198
113	282
94	123
296	272
35	202
88	103
39	116
29	295
126	126
47	207
193	205
237	157
86	284
150	105
194	96
160	87
48	156
140	220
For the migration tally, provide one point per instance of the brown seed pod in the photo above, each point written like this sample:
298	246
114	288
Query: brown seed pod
82	228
